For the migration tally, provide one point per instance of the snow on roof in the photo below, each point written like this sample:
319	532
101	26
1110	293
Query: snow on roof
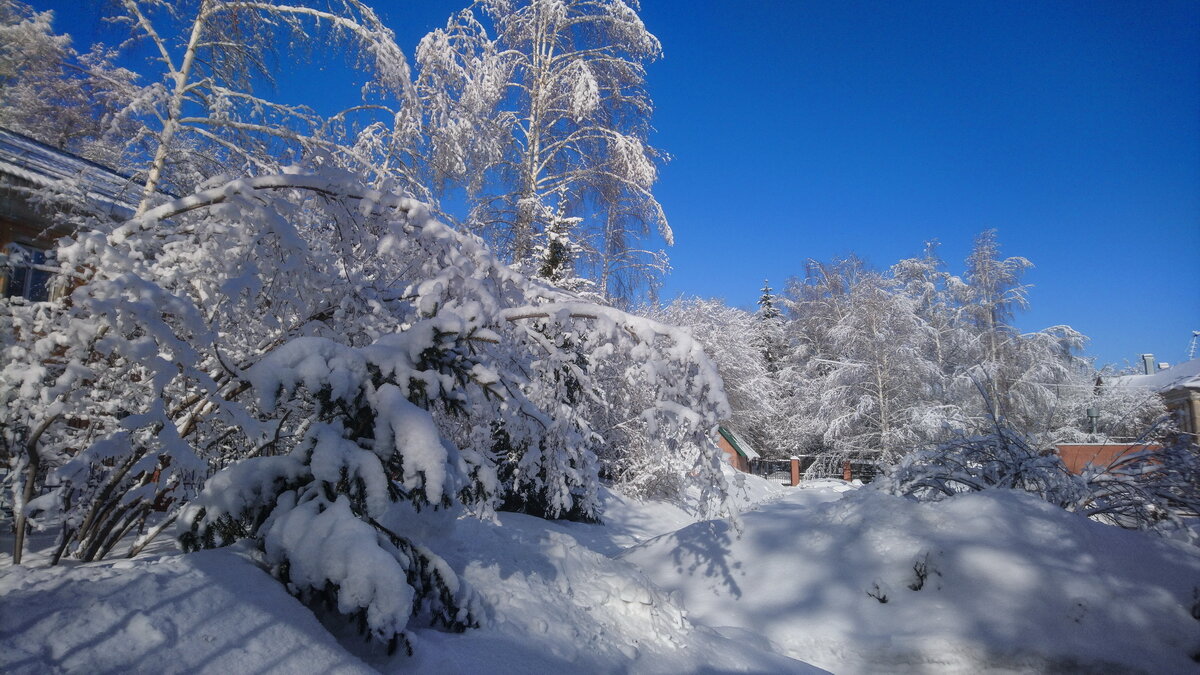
42	165
1184	375
739	444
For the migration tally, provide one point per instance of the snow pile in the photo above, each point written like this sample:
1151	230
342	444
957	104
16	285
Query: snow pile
994	580
556	602
558	606
212	611
560	602
822	576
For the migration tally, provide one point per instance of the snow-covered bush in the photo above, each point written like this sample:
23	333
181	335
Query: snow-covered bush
739	343
355	364
1146	487
335	517
1001	459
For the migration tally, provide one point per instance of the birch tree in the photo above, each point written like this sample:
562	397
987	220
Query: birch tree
992	293
936	293
875	393
547	117
205	116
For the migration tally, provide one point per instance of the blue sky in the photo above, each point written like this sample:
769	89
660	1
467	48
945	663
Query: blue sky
814	129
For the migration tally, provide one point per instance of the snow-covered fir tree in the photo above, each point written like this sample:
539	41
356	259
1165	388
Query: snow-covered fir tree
768	334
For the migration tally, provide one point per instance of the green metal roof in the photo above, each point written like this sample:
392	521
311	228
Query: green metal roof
740	446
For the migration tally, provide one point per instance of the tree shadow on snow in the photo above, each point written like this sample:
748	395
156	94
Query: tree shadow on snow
211	611
705	547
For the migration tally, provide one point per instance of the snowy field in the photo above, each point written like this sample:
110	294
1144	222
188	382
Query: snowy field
988	582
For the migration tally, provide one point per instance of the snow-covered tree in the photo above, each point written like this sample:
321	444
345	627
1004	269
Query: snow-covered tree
1121	414
814	304
916	354
544	116
52	93
555	254
768	334
992	293
339	359
935	293
875	393
820	300
203	115
727	334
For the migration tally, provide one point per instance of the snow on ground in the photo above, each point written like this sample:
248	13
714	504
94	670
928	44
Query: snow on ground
558	606
1011	584
558	603
561	602
212	611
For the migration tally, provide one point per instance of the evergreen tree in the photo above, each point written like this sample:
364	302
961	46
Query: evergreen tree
769	329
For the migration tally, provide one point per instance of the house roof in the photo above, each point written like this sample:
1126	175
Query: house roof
42	165
738	443
1184	375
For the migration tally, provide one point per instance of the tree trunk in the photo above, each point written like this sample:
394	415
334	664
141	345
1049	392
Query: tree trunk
174	110
34	464
32	467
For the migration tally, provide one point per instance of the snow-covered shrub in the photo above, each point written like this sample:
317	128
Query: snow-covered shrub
335	517
740	342
352	365
1146	487
1001	459
653	445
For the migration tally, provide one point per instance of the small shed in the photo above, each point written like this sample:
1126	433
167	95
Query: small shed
739	452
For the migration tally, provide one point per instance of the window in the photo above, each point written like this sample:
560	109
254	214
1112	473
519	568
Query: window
26	274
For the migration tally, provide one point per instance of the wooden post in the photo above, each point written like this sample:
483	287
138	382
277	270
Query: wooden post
795	471
847	474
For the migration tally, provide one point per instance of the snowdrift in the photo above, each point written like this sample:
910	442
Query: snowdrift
556	601
559	606
993	581
212	611
987	582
